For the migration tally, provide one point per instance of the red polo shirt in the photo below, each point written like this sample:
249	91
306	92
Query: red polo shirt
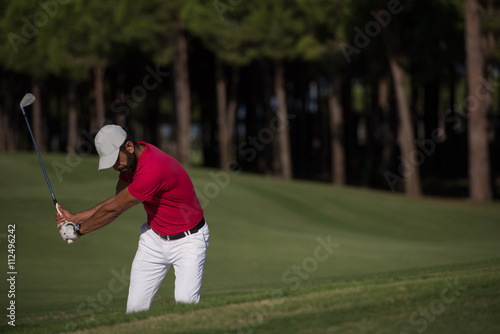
166	190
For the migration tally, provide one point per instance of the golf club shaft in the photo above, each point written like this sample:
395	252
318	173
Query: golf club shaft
40	159
69	241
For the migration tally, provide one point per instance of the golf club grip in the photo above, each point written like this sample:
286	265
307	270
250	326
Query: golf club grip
69	241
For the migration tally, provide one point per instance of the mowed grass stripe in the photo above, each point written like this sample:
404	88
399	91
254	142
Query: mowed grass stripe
367	306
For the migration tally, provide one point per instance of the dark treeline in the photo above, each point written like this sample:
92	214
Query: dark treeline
394	95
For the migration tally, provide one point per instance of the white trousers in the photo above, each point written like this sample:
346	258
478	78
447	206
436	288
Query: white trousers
154	258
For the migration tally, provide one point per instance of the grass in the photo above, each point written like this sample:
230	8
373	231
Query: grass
266	270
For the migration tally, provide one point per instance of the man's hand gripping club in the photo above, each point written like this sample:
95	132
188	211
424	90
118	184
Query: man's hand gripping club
67	229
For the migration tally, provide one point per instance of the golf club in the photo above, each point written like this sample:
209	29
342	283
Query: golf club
26	101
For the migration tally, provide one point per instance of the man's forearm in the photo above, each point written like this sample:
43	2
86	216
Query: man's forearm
84	215
104	215
108	211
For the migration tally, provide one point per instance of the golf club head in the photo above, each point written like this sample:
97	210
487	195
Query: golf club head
27	100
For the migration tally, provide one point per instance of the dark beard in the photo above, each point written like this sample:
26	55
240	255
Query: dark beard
131	164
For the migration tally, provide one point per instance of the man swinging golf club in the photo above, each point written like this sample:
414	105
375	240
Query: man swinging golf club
175	233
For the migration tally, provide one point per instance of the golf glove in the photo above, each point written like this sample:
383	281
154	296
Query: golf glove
67	231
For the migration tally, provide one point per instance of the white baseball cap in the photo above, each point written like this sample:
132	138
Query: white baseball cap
107	142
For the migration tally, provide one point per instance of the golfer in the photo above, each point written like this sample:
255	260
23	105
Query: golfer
175	233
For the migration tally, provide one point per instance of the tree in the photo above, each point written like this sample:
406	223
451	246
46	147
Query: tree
337	133
230	38
226	110
281	33
70	60
25	54
409	159
325	23
480	100
379	16
91	32
7	122
491	27
158	28
182	91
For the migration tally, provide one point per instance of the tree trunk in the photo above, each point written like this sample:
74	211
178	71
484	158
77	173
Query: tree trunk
479	96
223	135
350	136
72	119
432	124
251	89
388	138
38	123
152	128
283	132
232	106
99	119
182	94
337	134
324	151
267	161
226	111
7	135
410	160
432	92
119	109
4	130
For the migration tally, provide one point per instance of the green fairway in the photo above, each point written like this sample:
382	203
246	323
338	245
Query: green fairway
284	257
